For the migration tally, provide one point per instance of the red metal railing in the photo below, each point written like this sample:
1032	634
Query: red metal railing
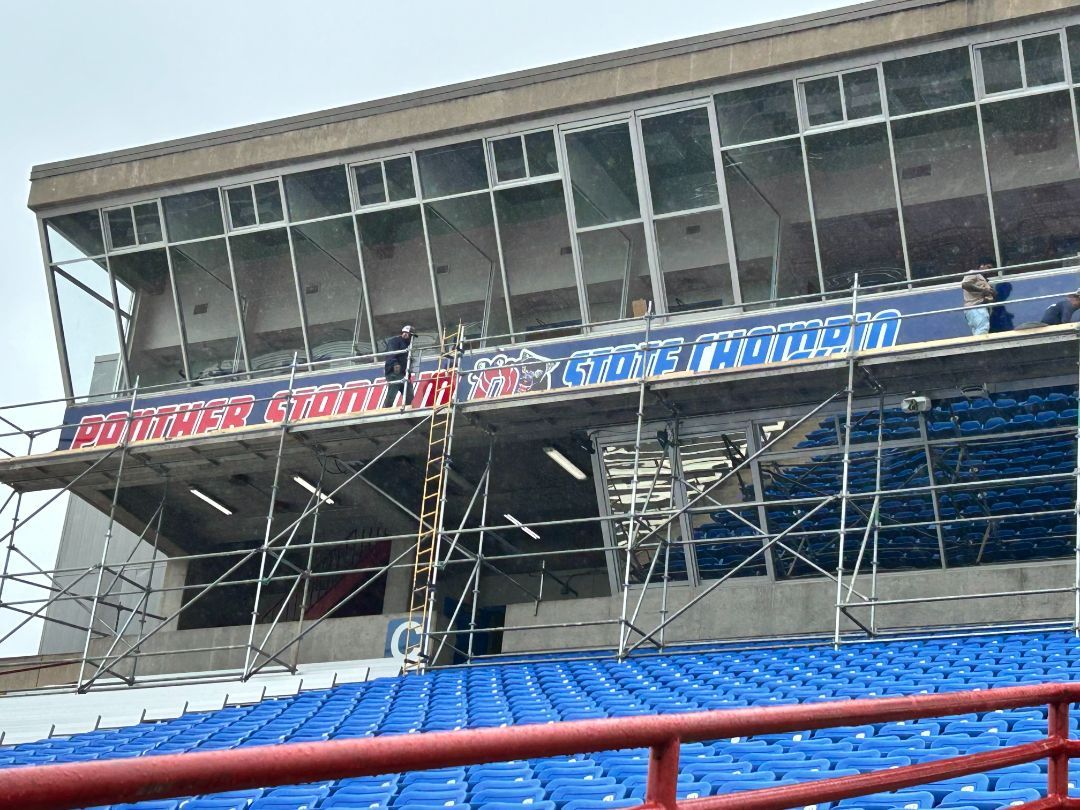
86	784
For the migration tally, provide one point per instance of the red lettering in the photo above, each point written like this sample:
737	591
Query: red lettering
186	420
163	422
210	416
113	429
354	397
86	434
142	423
275	408
325	400
301	402
236	412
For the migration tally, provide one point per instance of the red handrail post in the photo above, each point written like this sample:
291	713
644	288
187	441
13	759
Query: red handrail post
1058	771
660	790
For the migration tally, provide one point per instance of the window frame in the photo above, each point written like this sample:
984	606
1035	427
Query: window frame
130	207
1024	88
250	185
354	188
846	121
493	171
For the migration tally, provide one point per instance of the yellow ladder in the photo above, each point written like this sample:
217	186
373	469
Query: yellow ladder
425	570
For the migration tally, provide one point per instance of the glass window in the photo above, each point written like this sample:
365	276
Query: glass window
369	184
121	225
858	227
509	155
540	151
862	94
400	184
194	215
943	192
1031	154
332	289
1072	34
1000	68
465	256
929	81
654	494
396	269
823	101
452	169
318	193
268	301
133	225
770	218
87	314
679	157
601	163
536	246
153	337
694	261
1042	60
255	204
147	223
757	113
74	236
205	294
615	266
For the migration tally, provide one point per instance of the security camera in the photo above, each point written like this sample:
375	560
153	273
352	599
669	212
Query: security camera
915	404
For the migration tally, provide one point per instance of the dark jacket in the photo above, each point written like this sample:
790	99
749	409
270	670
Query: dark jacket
399	348
1061	312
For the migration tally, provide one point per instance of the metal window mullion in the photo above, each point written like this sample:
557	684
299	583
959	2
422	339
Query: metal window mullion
752	448
899	202
1076	124
1023	63
644	189
502	265
124	365
181	326
54	308
813	212
989	185
365	300
602	486
427	252
240	320
571	225
299	296
725	208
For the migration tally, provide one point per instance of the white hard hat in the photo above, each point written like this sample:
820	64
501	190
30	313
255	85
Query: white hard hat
408	329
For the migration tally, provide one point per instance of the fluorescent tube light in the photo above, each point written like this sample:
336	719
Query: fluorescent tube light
216	504
522	526
314	490
565	463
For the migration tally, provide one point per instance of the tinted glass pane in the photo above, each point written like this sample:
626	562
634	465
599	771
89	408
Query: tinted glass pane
153	337
268	202
396	269
400	184
1000	67
1031	153
694	261
74	236
540	148
602	175
855	206
615	267
331	289
770	218
93	348
205	293
862	96
928	81
268	302
756	113
466	260
121	227
194	215
369	184
943	192
509	157
536	242
319	193
822	97
1072	34
679	156
241	207
147	223
452	169
1042	60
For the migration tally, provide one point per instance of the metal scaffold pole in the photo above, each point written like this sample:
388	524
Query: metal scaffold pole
480	552
845	485
1076	514
631	532
264	550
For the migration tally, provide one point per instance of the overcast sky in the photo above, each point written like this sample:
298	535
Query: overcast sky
78	78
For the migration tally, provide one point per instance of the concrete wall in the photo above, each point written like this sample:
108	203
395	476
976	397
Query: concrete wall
526	95
751	608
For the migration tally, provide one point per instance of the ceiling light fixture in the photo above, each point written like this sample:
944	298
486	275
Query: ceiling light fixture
314	490
565	463
216	504
522	526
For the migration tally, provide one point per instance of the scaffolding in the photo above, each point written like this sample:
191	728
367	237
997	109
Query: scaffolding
292	557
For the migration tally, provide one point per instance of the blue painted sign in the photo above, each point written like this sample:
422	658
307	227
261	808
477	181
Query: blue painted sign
733	341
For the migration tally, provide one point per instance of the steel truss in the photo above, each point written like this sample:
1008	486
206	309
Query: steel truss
277	629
